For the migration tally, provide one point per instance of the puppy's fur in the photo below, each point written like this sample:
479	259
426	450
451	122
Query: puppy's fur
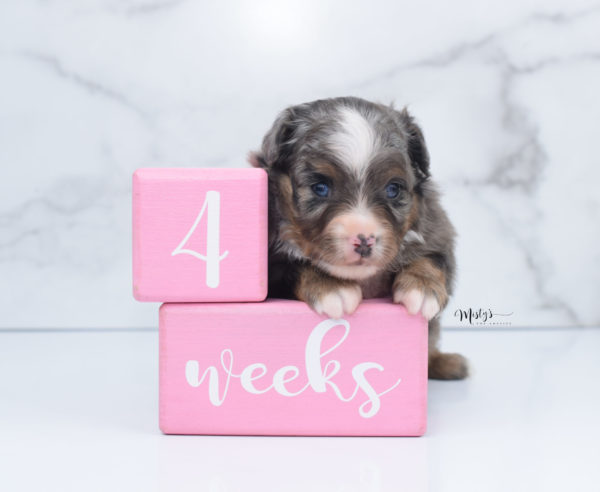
353	214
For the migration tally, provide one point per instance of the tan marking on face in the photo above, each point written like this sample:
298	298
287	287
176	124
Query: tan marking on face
412	217
285	188
326	168
290	231
389	172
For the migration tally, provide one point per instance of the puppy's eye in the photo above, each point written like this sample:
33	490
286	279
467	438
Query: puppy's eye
321	189
392	190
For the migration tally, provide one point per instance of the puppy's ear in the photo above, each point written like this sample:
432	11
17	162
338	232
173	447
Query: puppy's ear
277	144
417	150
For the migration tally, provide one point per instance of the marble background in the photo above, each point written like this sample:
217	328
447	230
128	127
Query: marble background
507	94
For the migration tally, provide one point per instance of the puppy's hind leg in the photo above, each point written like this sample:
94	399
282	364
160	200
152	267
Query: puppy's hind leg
443	365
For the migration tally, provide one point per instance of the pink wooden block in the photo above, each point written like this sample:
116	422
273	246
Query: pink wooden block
278	368
199	235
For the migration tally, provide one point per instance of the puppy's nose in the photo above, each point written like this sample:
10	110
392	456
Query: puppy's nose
363	244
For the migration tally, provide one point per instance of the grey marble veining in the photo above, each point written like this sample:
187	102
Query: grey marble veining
506	94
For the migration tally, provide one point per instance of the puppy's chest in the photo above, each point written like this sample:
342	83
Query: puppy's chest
379	285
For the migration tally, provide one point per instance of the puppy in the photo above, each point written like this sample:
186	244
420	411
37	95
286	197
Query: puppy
353	214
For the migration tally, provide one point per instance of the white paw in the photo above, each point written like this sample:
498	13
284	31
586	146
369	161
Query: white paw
417	301
339	302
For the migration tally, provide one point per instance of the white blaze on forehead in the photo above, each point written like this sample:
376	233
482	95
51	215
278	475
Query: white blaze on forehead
356	141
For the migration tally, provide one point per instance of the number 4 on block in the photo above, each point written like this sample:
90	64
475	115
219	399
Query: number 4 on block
199	235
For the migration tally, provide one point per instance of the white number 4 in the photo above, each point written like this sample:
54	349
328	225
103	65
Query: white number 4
212	204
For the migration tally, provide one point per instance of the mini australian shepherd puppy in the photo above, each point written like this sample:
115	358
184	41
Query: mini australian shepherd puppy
353	214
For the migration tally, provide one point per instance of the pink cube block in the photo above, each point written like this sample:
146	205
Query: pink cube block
199	235
278	368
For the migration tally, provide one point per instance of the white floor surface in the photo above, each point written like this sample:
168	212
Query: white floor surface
78	412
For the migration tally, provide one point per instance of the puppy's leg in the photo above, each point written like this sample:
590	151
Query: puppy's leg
327	295
442	365
421	287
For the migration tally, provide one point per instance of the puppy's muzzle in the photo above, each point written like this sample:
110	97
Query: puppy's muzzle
363	245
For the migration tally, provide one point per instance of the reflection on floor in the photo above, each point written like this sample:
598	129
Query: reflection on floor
78	411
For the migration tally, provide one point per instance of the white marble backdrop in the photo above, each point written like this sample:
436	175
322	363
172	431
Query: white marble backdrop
507	93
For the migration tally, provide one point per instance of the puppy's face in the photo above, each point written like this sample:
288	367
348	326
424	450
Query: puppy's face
345	182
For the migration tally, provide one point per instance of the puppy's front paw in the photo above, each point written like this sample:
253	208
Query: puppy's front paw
421	287
417	301
336	303
329	296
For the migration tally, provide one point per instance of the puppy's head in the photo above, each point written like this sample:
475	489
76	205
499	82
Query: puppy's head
345	180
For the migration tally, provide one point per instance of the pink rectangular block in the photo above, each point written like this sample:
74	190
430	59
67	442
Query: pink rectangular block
199	235
278	368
